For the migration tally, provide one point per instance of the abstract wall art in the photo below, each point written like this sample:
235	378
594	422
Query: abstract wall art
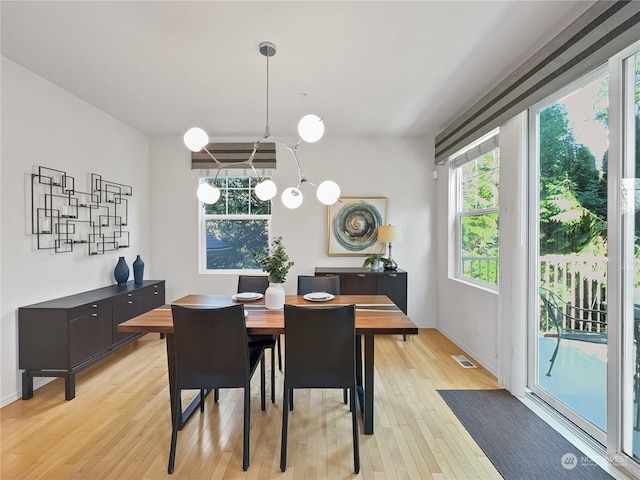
352	225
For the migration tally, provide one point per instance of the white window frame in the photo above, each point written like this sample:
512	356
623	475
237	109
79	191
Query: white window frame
485	144
202	237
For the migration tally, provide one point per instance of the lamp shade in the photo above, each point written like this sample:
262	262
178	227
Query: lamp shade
328	192
311	128
207	193
266	190
195	139
292	198
389	233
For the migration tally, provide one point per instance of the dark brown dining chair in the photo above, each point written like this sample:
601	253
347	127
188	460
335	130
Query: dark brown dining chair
321	353
259	284
253	283
212	352
311	283
327	284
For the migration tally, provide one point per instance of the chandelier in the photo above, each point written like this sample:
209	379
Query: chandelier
310	129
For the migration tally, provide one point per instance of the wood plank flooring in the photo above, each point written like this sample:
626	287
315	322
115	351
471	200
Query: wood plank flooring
118	426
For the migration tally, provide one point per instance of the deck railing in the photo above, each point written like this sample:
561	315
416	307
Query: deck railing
580	281
484	269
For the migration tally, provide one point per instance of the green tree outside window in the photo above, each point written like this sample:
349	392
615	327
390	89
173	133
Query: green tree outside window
236	226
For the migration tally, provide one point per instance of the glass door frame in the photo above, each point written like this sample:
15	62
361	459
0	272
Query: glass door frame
622	270
533	258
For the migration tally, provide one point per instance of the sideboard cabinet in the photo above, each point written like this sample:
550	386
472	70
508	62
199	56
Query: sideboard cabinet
60	337
364	281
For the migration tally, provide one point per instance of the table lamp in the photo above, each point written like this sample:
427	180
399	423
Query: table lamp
388	234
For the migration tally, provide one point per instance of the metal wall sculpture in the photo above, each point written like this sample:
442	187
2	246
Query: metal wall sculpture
63	217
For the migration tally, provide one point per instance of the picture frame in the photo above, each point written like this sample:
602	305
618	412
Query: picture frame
352	226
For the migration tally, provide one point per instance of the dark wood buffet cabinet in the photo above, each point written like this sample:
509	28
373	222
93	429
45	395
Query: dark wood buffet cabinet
364	281
60	337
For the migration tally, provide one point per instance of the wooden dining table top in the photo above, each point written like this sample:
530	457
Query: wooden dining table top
375	314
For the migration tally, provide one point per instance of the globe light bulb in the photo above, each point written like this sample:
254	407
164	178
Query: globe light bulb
266	190
195	138
292	198
207	193
311	128
328	192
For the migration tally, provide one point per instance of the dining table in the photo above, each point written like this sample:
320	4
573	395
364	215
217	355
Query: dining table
375	315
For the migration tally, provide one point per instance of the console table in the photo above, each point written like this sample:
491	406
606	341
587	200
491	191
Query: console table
365	281
60	337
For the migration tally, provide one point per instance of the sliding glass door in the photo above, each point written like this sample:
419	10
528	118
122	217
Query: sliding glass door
584	216
569	335
629	354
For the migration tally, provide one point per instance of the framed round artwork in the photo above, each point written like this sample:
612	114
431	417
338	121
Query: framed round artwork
352	225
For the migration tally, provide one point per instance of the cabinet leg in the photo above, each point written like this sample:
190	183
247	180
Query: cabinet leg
27	385
70	386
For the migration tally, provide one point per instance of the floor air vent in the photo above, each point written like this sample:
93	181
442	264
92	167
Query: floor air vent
463	361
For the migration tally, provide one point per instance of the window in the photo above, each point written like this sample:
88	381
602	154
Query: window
475	180
234	227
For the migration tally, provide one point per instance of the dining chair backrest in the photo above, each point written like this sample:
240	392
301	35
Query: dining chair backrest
211	347
320	346
211	352
253	283
259	284
311	283
321	353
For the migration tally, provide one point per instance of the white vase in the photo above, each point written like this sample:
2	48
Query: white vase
376	265
274	296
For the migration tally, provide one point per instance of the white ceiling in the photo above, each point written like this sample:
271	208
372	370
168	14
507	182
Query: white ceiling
368	68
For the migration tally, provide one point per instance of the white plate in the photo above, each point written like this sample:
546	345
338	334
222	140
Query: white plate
247	296
318	296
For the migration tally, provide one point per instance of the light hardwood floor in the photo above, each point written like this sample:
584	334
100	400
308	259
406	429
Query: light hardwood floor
118	426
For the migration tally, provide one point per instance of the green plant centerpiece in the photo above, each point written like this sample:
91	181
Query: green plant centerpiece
374	259
275	261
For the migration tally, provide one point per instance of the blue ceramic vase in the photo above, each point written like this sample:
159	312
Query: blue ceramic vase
121	272
138	270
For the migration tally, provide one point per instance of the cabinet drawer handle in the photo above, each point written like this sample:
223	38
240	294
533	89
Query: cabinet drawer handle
130	302
155	293
155	286
129	294
94	314
393	274
361	275
94	306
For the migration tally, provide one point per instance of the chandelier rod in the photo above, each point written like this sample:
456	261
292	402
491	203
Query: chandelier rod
267	130
267	49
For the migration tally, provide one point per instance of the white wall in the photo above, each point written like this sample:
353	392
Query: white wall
399	169
45	125
466	314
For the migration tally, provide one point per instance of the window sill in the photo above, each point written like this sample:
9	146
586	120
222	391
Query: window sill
479	285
